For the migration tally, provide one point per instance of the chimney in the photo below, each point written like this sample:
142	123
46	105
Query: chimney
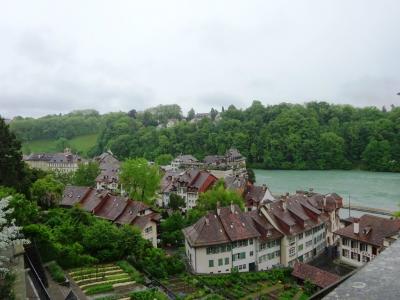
232	208
284	204
218	208
356	227
207	221
264	187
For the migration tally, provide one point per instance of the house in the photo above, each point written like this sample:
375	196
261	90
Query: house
228	239
237	183
232	159
303	226
65	162
255	196
316	276
187	184
362	240
108	178
182	162
117	209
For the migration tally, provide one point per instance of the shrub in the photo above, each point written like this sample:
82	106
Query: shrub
148	295
56	272
102	288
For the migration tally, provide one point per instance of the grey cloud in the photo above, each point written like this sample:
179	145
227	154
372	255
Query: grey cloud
56	57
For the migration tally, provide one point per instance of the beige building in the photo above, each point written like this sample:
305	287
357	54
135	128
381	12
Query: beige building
361	241
278	232
119	210
65	162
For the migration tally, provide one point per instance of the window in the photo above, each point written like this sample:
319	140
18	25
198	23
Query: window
148	229
211	263
346	253
363	247
300	247
226	260
300	236
263	246
309	243
251	253
278	253
309	232
237	256
292	240
354	244
292	251
345	242
220	262
271	255
251	242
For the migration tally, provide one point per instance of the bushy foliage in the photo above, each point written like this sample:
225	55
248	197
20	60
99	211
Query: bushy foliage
316	135
171	230
56	272
75	238
86	174
47	191
151	294
57	126
140	179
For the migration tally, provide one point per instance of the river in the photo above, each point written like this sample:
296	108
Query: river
372	189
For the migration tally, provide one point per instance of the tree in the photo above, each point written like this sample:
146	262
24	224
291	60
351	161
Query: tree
132	113
9	233
47	191
251	176
213	114
140	179
191	114
12	170
171	230
164	159
86	174
61	144
332	151
176	202
24	211
376	155
208	200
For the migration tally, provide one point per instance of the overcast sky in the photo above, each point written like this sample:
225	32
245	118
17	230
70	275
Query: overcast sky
57	56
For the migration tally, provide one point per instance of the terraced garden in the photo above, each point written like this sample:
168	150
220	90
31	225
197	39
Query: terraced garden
108	279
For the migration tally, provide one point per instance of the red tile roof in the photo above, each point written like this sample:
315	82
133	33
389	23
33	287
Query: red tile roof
231	224
110	207
372	230
315	275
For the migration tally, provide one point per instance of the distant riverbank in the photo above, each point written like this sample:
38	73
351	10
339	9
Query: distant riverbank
373	189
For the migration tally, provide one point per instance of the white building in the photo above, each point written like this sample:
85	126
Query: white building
65	162
363	240
231	239
276	233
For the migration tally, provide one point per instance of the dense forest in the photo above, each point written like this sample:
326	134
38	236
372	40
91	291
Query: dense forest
316	135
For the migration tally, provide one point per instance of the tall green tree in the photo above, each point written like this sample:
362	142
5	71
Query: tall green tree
218	194
140	179
12	169
47	191
86	174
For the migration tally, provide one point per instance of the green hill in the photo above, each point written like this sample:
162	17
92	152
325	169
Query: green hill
82	144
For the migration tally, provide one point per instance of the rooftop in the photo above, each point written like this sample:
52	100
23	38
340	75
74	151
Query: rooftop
372	230
315	275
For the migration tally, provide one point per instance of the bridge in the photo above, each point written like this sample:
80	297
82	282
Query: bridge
373	210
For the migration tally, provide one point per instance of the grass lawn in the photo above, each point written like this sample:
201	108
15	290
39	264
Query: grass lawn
82	144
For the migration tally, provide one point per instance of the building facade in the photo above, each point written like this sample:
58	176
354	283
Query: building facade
276	233
361	241
65	162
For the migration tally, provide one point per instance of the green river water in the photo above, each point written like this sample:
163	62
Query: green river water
372	189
